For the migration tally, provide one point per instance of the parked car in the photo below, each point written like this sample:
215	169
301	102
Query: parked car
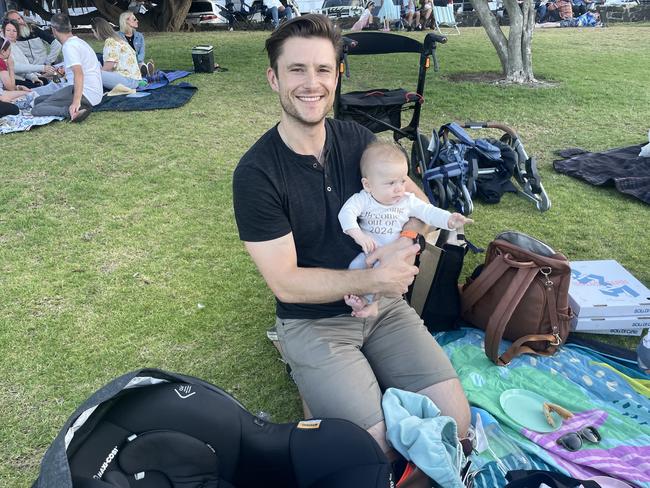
206	12
340	9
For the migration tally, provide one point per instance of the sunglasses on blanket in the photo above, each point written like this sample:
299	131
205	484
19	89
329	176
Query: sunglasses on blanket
572	441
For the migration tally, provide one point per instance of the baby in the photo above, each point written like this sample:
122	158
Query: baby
375	216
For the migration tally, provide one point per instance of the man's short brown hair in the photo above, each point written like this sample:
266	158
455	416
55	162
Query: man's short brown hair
309	25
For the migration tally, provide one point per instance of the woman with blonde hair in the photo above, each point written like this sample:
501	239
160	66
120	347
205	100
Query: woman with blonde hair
128	31
120	63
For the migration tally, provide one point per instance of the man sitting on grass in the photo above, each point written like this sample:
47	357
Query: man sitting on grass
288	190
83	90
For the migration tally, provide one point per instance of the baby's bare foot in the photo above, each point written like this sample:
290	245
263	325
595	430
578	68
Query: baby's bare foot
370	310
357	303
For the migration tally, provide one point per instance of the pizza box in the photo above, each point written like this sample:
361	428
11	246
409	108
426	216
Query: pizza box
593	324
618	332
606	289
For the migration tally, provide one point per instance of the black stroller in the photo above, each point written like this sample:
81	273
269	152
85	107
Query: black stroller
381	109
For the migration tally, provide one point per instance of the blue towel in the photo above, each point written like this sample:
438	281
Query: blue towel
418	432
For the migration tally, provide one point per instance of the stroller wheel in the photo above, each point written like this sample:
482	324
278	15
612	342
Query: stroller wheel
437	193
507	139
420	161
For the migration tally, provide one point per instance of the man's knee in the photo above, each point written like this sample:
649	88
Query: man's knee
450	398
378	432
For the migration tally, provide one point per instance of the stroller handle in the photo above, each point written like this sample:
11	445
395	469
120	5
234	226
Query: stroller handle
436	38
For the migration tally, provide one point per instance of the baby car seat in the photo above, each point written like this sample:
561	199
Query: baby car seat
153	429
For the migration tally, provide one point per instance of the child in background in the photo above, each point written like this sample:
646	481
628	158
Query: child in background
375	216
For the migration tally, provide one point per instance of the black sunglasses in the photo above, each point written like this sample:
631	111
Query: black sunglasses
5	45
573	440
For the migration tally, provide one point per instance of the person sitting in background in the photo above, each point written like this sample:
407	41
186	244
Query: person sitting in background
555	11
588	19
128	31
120	63
409	14
38	45
75	99
424	14
276	9
8	91
365	19
25	73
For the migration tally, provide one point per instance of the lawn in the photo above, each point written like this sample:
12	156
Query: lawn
118	247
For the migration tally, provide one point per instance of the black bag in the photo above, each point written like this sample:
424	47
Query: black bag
153	429
434	294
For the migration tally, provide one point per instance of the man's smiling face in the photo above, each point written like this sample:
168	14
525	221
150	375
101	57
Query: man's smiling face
305	79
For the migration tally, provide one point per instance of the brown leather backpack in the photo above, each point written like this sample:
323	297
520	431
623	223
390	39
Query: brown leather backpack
521	294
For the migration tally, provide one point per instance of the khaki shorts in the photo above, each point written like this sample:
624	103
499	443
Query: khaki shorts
342	364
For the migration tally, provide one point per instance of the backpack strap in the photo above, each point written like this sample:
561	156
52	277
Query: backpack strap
479	287
518	348
503	312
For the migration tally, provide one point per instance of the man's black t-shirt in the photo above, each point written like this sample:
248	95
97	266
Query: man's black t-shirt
277	192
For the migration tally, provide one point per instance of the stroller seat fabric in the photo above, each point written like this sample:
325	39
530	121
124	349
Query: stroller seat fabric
152	429
376	108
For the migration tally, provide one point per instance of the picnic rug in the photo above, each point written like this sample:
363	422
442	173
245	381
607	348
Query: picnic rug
596	394
21	123
168	96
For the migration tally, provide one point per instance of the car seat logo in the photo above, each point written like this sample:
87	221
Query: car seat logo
184	391
106	463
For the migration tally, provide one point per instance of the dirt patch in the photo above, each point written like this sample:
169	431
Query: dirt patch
493	78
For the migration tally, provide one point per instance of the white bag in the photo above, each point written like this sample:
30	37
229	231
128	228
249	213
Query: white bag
645	150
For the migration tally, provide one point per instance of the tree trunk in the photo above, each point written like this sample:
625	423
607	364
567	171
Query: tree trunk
515	53
174	13
108	10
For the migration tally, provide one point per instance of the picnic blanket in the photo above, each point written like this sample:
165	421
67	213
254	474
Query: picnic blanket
597	396
167	96
163	78
622	168
20	122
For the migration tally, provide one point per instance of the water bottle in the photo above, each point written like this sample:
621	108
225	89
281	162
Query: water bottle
493	444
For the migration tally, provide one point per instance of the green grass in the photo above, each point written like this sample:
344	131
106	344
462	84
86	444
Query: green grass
112	232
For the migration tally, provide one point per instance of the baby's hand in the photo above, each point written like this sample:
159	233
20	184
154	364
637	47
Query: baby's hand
457	220
367	243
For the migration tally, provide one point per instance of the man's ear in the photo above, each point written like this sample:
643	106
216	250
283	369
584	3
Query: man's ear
272	79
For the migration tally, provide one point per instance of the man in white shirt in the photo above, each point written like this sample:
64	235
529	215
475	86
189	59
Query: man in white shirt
83	90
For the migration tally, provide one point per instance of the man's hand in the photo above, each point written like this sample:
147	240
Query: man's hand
396	272
382	253
74	108
366	242
49	70
23	88
457	220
